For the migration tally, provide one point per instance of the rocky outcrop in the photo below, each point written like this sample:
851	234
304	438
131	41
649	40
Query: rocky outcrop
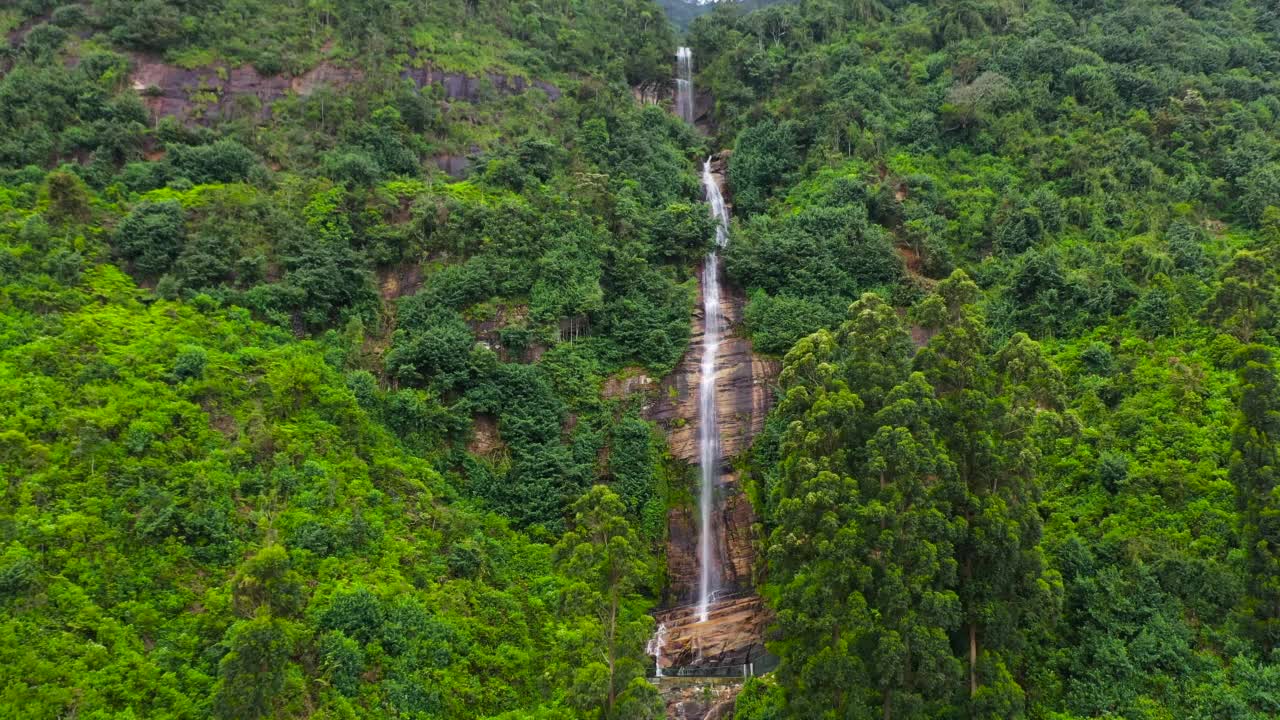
744	395
220	92
399	281
732	636
700	698
731	526
459	86
485	440
665	94
743	387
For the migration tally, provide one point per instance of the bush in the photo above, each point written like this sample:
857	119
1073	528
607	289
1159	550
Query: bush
151	236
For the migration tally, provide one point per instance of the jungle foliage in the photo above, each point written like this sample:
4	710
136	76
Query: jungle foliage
295	424
1052	466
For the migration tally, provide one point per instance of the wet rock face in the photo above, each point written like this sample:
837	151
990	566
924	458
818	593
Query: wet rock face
219	92
730	638
733	634
744	396
732	531
744	383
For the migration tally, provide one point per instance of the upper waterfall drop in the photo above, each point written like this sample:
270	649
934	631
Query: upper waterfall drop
709	457
715	199
684	84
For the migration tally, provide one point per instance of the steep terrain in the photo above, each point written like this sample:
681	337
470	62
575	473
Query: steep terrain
328	447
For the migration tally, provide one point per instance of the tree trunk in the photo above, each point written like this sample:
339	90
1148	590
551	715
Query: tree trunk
973	658
613	626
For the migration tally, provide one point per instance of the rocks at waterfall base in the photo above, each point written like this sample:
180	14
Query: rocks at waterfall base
730	637
700	698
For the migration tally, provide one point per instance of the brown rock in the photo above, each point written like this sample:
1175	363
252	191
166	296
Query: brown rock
731	637
699	698
399	281
485	439
744	390
731	530
218	91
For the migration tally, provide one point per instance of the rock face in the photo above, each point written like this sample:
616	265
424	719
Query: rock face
730	639
220	92
744	395
732	528
743	387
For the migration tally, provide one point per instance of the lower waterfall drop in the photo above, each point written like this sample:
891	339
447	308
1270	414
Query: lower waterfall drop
709	458
654	648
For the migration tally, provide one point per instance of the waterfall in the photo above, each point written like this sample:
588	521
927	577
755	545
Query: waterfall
708	425
654	648
684	84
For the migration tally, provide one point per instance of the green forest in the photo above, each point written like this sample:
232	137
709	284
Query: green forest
310	314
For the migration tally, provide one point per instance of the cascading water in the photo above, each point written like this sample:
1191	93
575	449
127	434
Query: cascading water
654	648
684	84
708	424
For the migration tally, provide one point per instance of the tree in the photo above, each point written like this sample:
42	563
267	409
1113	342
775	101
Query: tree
1243	300
266	582
607	568
151	236
861	547
989	409
252	676
762	157
1255	473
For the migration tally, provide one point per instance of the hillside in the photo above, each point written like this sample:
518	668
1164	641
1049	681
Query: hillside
306	319
1042	488
381	359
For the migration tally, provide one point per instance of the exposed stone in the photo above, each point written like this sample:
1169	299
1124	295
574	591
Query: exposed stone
651	93
628	382
399	281
221	92
485	440
733	634
744	387
731	530
699	698
455	166
731	637
459	86
489	331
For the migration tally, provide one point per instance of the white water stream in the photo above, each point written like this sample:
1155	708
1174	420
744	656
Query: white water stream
684	84
709	459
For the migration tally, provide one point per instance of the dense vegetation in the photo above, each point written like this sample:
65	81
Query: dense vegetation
1062	504
295	424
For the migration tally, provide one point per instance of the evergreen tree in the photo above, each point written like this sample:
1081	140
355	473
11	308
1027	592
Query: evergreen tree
1255	462
861	547
607	568
989	401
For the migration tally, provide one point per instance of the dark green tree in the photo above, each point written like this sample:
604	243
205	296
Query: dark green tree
1255	472
990	400
607	569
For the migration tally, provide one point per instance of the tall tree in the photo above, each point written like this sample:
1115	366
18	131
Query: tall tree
861	547
1255	470
989	402
607	567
